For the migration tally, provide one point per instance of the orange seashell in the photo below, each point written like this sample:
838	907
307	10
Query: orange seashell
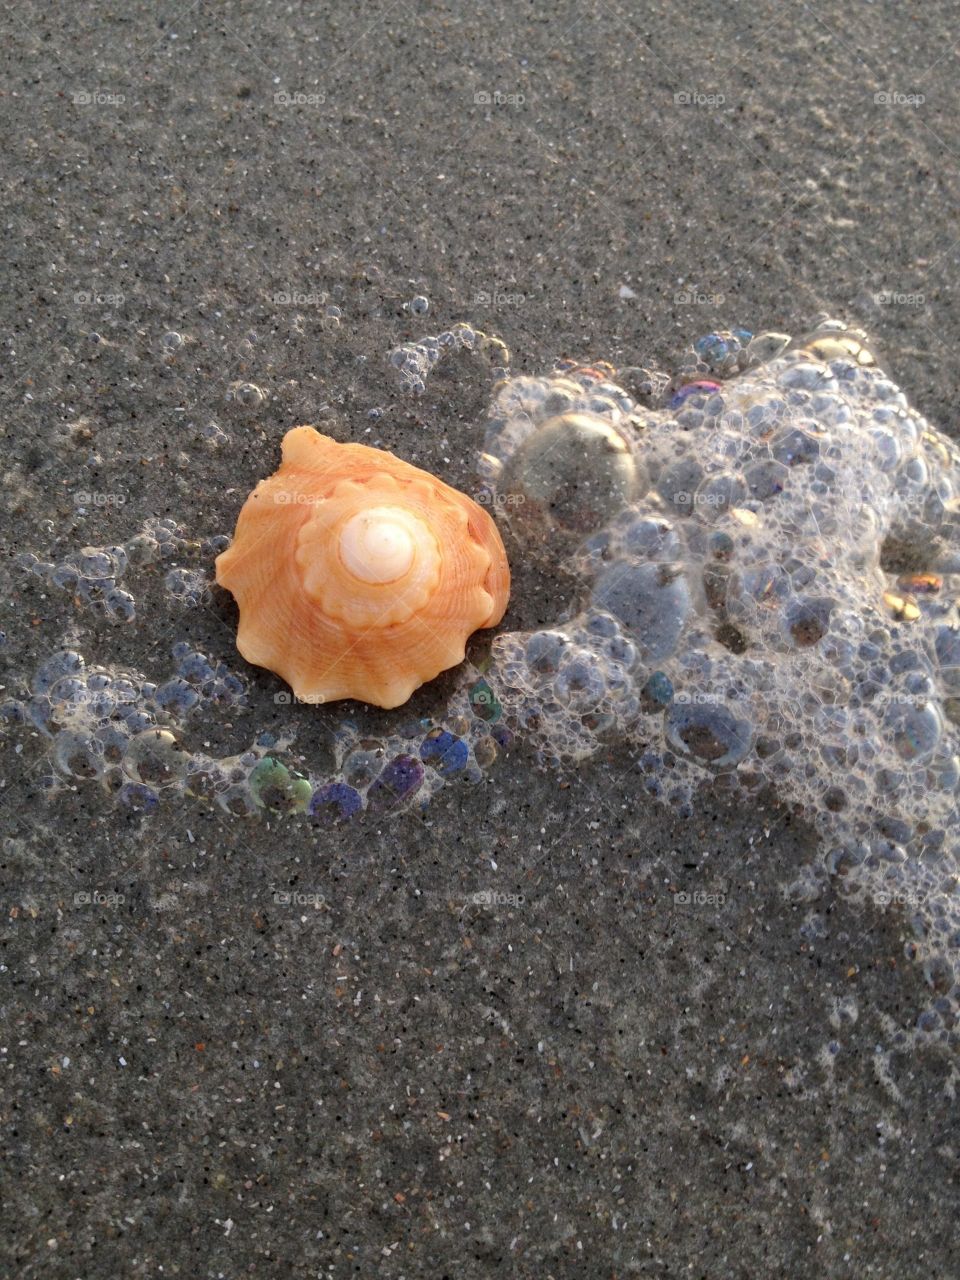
359	575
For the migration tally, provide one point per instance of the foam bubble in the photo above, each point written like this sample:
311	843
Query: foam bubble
765	627
415	361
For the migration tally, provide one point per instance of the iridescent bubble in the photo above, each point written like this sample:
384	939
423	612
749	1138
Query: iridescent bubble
716	349
447	753
658	690
135	796
274	787
701	388
399	781
334	802
484	702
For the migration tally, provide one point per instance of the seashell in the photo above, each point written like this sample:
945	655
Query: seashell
358	575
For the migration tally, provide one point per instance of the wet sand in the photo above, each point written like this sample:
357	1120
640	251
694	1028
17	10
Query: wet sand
582	1075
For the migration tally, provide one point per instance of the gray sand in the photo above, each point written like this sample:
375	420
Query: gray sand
584	1077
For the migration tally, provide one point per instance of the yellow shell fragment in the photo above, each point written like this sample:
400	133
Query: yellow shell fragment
903	608
749	519
358	575
840	346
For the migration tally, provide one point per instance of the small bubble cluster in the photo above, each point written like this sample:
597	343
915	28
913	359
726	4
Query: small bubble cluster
213	435
114	726
189	587
130	734
415	361
92	575
408	767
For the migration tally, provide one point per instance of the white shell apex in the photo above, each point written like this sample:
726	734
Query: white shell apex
380	545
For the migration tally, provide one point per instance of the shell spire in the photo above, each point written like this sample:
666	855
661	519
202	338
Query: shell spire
358	575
